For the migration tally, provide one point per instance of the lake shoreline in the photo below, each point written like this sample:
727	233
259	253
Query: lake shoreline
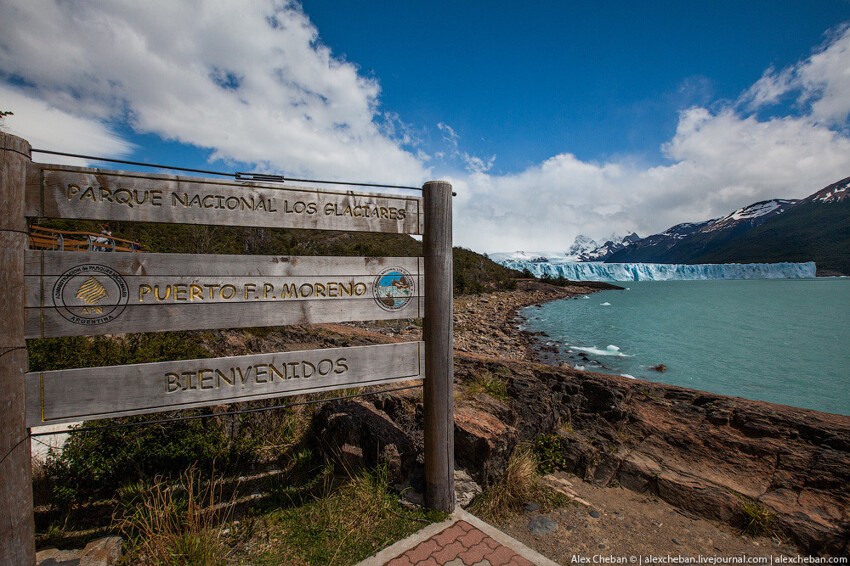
701	452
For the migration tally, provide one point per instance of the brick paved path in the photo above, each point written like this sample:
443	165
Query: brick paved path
461	544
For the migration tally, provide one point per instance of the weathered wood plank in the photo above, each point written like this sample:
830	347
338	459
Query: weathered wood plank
439	347
56	263
52	322
17	530
91	393
108	293
56	191
164	289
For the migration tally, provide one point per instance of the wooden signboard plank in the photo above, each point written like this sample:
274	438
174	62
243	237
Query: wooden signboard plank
91	393
55	191
76	293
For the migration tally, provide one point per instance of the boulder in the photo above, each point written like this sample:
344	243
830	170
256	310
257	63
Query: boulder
355	434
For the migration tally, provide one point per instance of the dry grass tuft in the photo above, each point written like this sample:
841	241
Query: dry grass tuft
168	524
517	485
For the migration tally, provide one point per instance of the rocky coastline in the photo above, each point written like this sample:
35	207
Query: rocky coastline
708	455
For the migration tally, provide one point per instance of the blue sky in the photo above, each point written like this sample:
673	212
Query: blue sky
551	119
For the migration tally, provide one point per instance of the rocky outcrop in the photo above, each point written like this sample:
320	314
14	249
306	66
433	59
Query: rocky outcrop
706	454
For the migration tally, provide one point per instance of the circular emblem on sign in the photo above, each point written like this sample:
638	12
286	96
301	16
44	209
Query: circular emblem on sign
393	289
90	294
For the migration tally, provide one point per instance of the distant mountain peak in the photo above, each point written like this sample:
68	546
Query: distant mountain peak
836	192
773	230
755	214
586	249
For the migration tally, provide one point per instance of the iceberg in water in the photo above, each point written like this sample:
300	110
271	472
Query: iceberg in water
598	271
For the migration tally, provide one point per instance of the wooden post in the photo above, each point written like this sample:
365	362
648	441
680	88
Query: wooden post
439	348
17	529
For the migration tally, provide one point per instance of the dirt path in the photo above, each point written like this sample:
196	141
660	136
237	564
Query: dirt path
623	523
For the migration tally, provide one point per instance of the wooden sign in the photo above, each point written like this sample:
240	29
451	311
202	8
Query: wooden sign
88	293
55	191
94	393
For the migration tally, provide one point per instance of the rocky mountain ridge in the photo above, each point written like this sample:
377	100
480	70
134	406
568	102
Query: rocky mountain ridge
764	232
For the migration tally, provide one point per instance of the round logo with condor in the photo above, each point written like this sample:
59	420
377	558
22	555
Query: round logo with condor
90	294
393	289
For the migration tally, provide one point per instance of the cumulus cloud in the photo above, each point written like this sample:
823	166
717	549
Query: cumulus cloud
720	159
820	83
249	80
46	127
252	82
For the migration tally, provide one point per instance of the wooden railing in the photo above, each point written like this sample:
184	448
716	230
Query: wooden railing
41	238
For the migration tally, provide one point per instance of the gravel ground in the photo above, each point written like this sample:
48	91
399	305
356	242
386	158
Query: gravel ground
622	523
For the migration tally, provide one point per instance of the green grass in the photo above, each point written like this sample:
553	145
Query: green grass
344	526
758	519
494	386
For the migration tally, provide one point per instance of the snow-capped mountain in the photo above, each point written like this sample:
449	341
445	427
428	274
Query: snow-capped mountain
816	228
581	246
582	249
836	192
682	242
586	249
755	214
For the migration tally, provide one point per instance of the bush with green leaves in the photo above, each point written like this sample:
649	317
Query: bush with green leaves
102	458
550	452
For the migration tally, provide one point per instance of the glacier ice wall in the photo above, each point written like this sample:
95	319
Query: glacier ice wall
597	271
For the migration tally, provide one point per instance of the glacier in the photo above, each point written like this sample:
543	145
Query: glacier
598	271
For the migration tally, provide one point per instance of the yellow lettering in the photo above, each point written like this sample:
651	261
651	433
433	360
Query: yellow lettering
167	293
144	289
276	372
227	292
221	377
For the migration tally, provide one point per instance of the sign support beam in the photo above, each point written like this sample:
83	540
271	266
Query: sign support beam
439	348
17	525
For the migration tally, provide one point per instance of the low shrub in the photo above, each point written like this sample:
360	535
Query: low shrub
549	450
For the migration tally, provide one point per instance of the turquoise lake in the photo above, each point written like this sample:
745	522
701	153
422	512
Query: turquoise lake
784	341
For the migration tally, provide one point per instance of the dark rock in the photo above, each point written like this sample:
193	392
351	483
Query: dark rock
542	525
530	507
355	433
606	469
595	514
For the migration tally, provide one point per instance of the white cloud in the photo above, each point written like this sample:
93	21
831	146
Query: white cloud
252	82
820	83
720	160
249	80
46	127
449	135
